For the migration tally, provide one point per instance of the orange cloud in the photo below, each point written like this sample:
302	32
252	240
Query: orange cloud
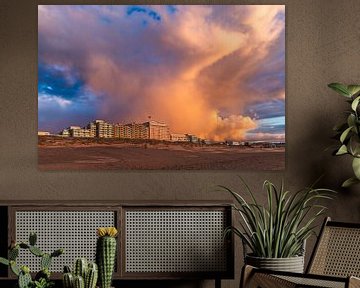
194	69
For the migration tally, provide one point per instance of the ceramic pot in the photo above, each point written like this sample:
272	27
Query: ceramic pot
291	264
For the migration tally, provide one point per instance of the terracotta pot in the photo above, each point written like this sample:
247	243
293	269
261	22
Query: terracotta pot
291	264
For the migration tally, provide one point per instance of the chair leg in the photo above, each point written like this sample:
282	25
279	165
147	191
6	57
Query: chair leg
246	273
217	283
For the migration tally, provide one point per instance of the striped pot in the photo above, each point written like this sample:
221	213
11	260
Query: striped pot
291	264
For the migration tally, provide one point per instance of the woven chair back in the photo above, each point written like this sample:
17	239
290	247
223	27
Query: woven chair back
337	252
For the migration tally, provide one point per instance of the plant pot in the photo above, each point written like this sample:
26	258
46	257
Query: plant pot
291	264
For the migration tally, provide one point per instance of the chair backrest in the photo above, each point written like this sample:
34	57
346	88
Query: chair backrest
337	251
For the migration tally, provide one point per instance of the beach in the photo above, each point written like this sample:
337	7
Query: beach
56	153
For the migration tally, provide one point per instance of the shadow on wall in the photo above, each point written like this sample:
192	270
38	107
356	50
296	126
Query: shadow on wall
316	150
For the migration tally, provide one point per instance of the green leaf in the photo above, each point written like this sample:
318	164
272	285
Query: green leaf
13	253
36	251
14	268
340	88
45	261
342	150
349	182
355	103
351	120
4	261
356	167
345	134
354	145
353	89
279	228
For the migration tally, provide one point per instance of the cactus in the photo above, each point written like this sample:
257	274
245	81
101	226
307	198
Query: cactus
44	273
90	272
80	268
68	280
42	278
67	269
36	251
45	261
91	276
13	253
32	238
24	279
24	245
4	261
57	252
14	268
106	254
79	282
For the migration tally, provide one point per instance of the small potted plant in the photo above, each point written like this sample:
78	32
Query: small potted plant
106	254
276	233
349	131
42	278
84	274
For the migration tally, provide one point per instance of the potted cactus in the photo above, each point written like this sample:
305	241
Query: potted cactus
42	278
85	275
106	254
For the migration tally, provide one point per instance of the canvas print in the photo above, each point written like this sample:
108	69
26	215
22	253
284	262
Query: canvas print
175	87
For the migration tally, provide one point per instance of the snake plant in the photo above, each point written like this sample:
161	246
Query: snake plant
279	228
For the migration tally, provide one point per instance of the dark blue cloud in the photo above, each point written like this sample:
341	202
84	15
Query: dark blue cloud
171	9
56	80
136	9
64	99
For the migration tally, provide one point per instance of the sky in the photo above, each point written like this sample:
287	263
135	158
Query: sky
216	71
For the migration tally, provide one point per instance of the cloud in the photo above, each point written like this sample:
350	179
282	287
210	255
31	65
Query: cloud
51	100
232	127
269	109
57	113
189	66
59	80
137	9
265	137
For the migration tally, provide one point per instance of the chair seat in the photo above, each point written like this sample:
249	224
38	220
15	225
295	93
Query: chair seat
267	279
335	262
314	282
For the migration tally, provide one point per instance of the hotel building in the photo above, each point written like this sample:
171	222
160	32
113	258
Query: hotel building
122	131
147	130
179	137
77	131
104	129
158	130
92	127
138	131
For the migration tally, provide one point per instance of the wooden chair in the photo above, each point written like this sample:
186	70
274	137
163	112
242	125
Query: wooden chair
335	262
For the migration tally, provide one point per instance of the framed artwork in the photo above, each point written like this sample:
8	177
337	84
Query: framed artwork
175	87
